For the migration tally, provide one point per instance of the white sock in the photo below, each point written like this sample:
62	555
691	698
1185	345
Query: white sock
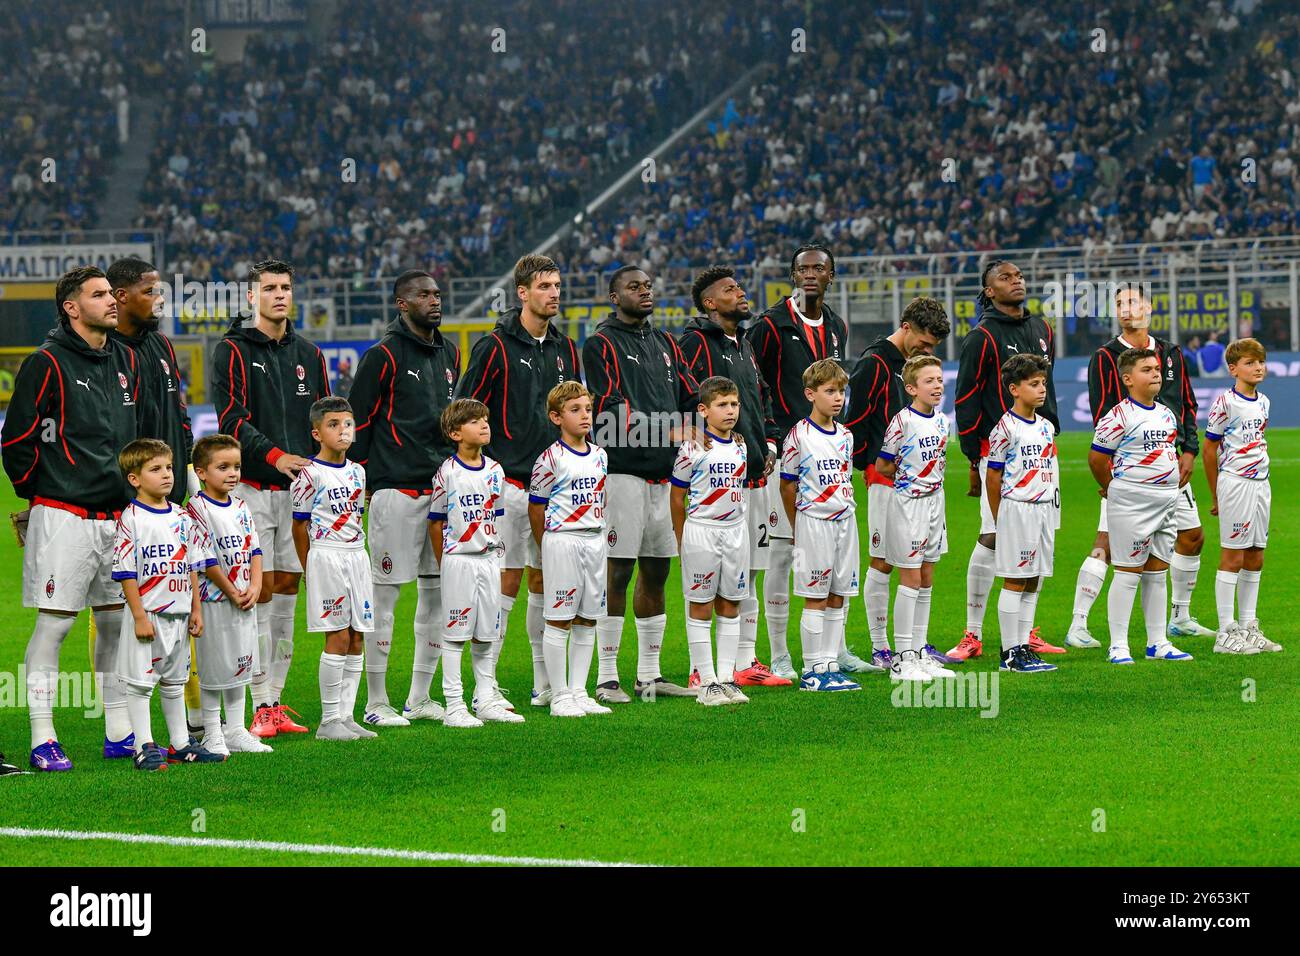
260	688
485	681
979	581
428	648
1119	609
1092	578
921	619
776	595
833	635
582	645
1225	594
649	644
282	610
108	634
876	597
233	698
331	685
701	650
42	665
536	624
137	706
728	641
211	704
353	665
173	708
812	624
379	643
452	691
1028	605
555	642
904	618
1182	579
745	653
609	635
1248	595
1009	617
1155	607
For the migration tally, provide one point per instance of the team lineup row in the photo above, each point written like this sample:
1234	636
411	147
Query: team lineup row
787	392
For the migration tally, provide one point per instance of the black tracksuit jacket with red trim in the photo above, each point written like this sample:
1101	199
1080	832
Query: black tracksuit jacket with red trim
401	443
263	390
784	352
642	369
981	397
163	414
512	373
1106	387
876	395
708	352
73	409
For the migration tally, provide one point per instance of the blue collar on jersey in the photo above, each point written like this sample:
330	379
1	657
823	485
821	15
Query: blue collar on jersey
462	464
220	504
922	414
329	464
727	441
571	448
1027	421
1140	405
824	431
1244	398
158	511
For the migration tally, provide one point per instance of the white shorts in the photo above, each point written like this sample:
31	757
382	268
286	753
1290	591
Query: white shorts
471	596
1142	523
878	498
516	533
778	524
398	533
165	658
639	522
273	518
339	590
759	528
713	561
916	531
1186	517
1026	539
227	651
574	563
825	557
1245	505
987	524
68	562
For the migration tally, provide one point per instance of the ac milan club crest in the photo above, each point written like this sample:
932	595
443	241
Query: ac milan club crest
771	519
121	378
167	369
612	537
667	360
386	564
875	539
559	364
450	377
835	340
49	587
302	373
1042	344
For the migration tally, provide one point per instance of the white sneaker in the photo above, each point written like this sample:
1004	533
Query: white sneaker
496	712
1189	627
335	729
712	695
563	705
906	666
734	693
385	715
782	667
1254	636
242	742
542	699
1232	640
589	706
216	744
933	667
460	717
850	663
1078	636
357	729
427	709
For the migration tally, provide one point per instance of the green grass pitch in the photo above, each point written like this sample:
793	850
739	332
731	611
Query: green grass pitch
1155	764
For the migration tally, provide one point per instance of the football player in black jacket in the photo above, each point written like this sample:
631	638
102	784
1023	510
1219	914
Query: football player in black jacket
74	407
1105	390
401	445
1005	328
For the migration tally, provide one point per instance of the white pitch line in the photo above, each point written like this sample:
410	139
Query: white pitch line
319	849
